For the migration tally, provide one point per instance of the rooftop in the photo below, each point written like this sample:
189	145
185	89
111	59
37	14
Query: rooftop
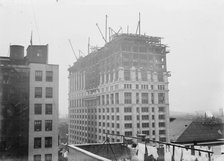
105	152
201	132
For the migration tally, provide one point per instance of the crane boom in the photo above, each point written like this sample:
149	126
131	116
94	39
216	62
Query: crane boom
101	33
72	49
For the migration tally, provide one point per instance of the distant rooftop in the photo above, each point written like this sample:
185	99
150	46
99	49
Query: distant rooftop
194	132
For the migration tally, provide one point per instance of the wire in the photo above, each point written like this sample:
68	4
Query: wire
35	21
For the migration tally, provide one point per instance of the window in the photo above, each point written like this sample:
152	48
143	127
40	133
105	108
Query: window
162	117
49	92
161	87
161	109
38	75
160	78
117	109
112	98
117	98
107	99
37	109
118	117
145	109
152	87
145	124
152	98
145	117
103	100
118	125
48	109
98	100
48	157
48	142
161	98
162	132
153	124
127	109
138	125
127	97
162	124
37	157
144	75
37	143
128	126
127	75
107	77
38	92
102	78
153	109
137	98
145	132
153	132
37	125
136	75
145	98
116	75
111	76
128	133
128	117
48	125
162	139
49	76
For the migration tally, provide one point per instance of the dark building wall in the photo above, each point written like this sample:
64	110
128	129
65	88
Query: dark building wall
14	112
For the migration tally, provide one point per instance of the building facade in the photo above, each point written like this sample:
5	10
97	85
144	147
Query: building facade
121	89
31	87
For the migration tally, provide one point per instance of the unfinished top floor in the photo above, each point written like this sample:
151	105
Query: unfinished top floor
125	50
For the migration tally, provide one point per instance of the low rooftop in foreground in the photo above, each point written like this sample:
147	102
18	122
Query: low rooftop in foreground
99	152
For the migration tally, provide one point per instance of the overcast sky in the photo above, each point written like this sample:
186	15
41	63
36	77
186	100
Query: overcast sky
193	29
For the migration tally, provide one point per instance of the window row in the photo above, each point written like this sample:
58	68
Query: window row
144	98
113	98
144	76
129	109
109	99
38	109
37	157
39	76
38	125
38	142
48	92
103	117
109	77
103	124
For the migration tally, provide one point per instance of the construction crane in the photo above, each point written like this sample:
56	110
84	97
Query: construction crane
72	49
101	33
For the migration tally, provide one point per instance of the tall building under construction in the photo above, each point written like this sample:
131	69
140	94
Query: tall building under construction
121	88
